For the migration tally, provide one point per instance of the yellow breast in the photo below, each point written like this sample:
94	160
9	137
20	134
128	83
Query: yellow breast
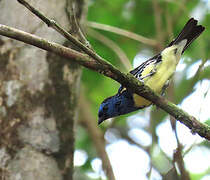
164	71
140	101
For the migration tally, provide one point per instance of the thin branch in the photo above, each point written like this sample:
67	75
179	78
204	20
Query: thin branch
124	135
110	71
200	68
53	24
196	77
178	157
182	10
169	23
123	32
89	123
113	46
158	23
74	23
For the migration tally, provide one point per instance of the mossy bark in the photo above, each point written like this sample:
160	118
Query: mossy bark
38	97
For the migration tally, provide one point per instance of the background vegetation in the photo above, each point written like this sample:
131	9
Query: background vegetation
160	21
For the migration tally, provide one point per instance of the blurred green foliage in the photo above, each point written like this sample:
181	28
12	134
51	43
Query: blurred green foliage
138	16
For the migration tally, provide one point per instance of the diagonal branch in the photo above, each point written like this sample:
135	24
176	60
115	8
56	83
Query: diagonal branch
73	21
53	24
158	23
97	136
110	71
113	46
123	32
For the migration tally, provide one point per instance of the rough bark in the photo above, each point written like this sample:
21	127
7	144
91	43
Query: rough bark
38	98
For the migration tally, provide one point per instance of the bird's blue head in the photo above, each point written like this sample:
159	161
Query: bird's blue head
121	103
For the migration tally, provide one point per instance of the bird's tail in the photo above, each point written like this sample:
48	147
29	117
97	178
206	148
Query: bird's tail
190	32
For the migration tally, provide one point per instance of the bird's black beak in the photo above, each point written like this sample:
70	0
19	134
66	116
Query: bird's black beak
100	120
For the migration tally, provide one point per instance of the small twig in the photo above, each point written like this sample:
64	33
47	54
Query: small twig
178	157
89	123
200	74
189	149
182	9
123	131
113	46
123	32
73	21
197	74
200	68
169	24
158	24
196	77
53	24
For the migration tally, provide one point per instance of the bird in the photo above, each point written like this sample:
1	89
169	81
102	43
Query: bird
154	72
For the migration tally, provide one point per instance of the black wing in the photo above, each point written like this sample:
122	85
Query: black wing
137	71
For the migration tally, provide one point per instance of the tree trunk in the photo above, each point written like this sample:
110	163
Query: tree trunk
38	96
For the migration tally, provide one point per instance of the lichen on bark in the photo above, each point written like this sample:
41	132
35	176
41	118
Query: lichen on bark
38	98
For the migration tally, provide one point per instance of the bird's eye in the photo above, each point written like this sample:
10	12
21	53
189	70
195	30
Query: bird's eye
175	50
105	108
